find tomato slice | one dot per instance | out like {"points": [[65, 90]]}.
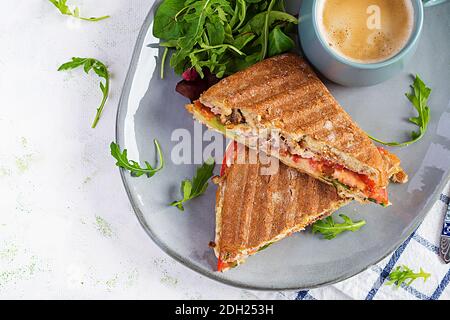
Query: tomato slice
{"points": [[296, 158], [380, 195], [223, 167], [206, 112], [229, 154], [220, 265], [352, 179], [368, 182], [383, 151], [332, 165]]}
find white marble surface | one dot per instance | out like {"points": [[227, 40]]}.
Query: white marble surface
{"points": [[66, 227]]}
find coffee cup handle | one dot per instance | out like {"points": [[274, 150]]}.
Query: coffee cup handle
{"points": [[429, 3]]}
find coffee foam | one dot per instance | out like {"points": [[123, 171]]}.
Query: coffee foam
{"points": [[347, 33]]}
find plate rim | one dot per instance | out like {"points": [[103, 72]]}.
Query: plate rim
{"points": [[122, 106]]}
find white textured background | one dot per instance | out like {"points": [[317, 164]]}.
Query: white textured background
{"points": [[66, 227]]}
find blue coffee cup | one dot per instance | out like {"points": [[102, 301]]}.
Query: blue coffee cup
{"points": [[347, 72]]}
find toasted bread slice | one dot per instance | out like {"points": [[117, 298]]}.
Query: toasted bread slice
{"points": [[255, 210], [281, 99]]}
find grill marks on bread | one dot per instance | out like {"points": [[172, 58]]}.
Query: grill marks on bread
{"points": [[257, 208], [286, 94]]}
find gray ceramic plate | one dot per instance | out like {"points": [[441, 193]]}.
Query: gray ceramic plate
{"points": [[150, 108]]}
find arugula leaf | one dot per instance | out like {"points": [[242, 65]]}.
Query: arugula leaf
{"points": [[223, 36], [265, 41], [64, 9], [279, 42], [163, 61], [215, 31], [403, 274], [100, 69], [265, 246], [329, 229], [165, 25], [198, 185], [419, 99], [257, 23], [133, 166], [240, 13], [242, 40]]}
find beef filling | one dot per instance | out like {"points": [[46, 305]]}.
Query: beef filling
{"points": [[234, 118]]}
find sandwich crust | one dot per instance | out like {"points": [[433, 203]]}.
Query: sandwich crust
{"points": [[284, 93]]}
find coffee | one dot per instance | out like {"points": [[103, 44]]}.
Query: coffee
{"points": [[366, 31]]}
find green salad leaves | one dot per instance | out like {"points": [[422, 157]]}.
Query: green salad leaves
{"points": [[419, 99], [403, 274], [330, 229], [135, 169], [100, 69], [224, 36], [62, 6], [198, 185]]}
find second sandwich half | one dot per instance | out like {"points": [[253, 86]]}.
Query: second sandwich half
{"points": [[254, 209]]}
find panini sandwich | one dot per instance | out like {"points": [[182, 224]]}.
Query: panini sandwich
{"points": [[255, 210], [280, 106]]}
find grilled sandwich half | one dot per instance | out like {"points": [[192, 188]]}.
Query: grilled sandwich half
{"points": [[280, 106], [254, 210]]}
